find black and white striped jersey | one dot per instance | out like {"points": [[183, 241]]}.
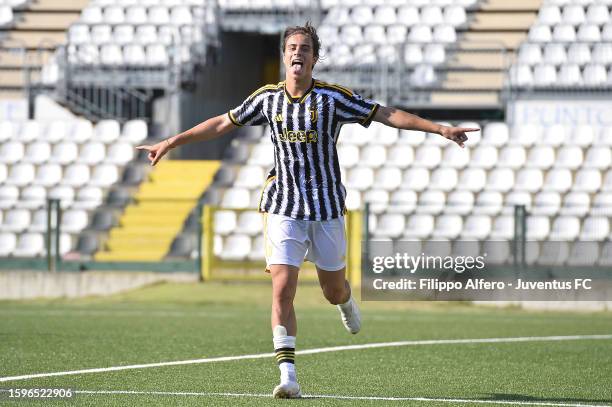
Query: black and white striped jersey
{"points": [[305, 181]]}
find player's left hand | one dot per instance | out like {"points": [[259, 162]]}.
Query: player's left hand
{"points": [[456, 134]]}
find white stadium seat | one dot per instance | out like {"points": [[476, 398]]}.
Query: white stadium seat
{"points": [[88, 198], [511, 156], [500, 179], [476, 227], [459, 202], [236, 247], [15, 220], [443, 179], [598, 157], [104, 175], [541, 157], [250, 223], [495, 134], [546, 203], [30, 245], [415, 179], [120, 153], [390, 225], [529, 179], [454, 157], [224, 222], [373, 156], [447, 227], [11, 152], [236, 198], [37, 152], [595, 228], [76, 175], [483, 157], [419, 226], [402, 201], [20, 175], [360, 178], [428, 156], [472, 179], [64, 194], [488, 203], [9, 195], [400, 156], [92, 153], [576, 204], [565, 228], [587, 180], [48, 175], [431, 202], [388, 178], [538, 227], [569, 157], [74, 221], [503, 228], [262, 154], [8, 243], [558, 180]]}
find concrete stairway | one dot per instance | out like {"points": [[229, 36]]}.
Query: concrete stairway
{"points": [[39, 29], [149, 225], [497, 25]]}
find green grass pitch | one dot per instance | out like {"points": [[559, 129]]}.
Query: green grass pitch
{"points": [[176, 322]]}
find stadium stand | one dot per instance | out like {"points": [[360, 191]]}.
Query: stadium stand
{"points": [[74, 161]]}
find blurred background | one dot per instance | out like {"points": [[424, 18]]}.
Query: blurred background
{"points": [[83, 82]]}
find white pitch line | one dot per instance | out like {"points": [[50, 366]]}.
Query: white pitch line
{"points": [[313, 351], [340, 397]]}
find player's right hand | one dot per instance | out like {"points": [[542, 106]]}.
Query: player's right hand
{"points": [[156, 151]]}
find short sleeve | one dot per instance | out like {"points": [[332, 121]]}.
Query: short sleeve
{"points": [[352, 108], [251, 111]]}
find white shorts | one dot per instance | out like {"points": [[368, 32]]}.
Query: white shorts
{"points": [[291, 241]]}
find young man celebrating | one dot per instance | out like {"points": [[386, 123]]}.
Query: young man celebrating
{"points": [[303, 197]]}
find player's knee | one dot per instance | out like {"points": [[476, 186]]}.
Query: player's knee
{"points": [[335, 295], [284, 297]]}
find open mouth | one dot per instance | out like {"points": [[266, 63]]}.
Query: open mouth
{"points": [[297, 62]]}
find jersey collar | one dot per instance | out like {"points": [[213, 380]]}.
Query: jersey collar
{"points": [[291, 99]]}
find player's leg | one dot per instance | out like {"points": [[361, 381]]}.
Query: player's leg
{"points": [[284, 327], [285, 249], [327, 249], [337, 291]]}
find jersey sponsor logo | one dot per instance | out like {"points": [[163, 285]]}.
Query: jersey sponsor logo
{"points": [[299, 136]]}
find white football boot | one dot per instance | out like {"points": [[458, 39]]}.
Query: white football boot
{"points": [[287, 390], [351, 317]]}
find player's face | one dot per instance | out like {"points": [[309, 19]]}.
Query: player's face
{"points": [[298, 56]]}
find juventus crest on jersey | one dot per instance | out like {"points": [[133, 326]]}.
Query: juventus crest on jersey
{"points": [[305, 181]]}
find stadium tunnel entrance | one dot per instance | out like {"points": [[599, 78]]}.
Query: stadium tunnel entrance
{"points": [[243, 63]]}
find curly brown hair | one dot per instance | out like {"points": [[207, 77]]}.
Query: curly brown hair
{"points": [[308, 30]]}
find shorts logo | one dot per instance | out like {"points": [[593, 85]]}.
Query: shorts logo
{"points": [[299, 136], [313, 115], [278, 118]]}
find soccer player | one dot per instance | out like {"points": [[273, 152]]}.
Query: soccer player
{"points": [[303, 197]]}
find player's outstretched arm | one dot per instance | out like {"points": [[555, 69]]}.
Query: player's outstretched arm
{"points": [[209, 129], [403, 120]]}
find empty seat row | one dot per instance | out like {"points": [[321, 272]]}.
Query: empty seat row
{"points": [[487, 202], [342, 55], [559, 54], [479, 227], [570, 75], [150, 3], [95, 152], [78, 131], [353, 34], [574, 14], [157, 14], [328, 4], [48, 175], [128, 34], [131, 55], [540, 33], [407, 15], [20, 220], [15, 4], [35, 196], [29, 244]]}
